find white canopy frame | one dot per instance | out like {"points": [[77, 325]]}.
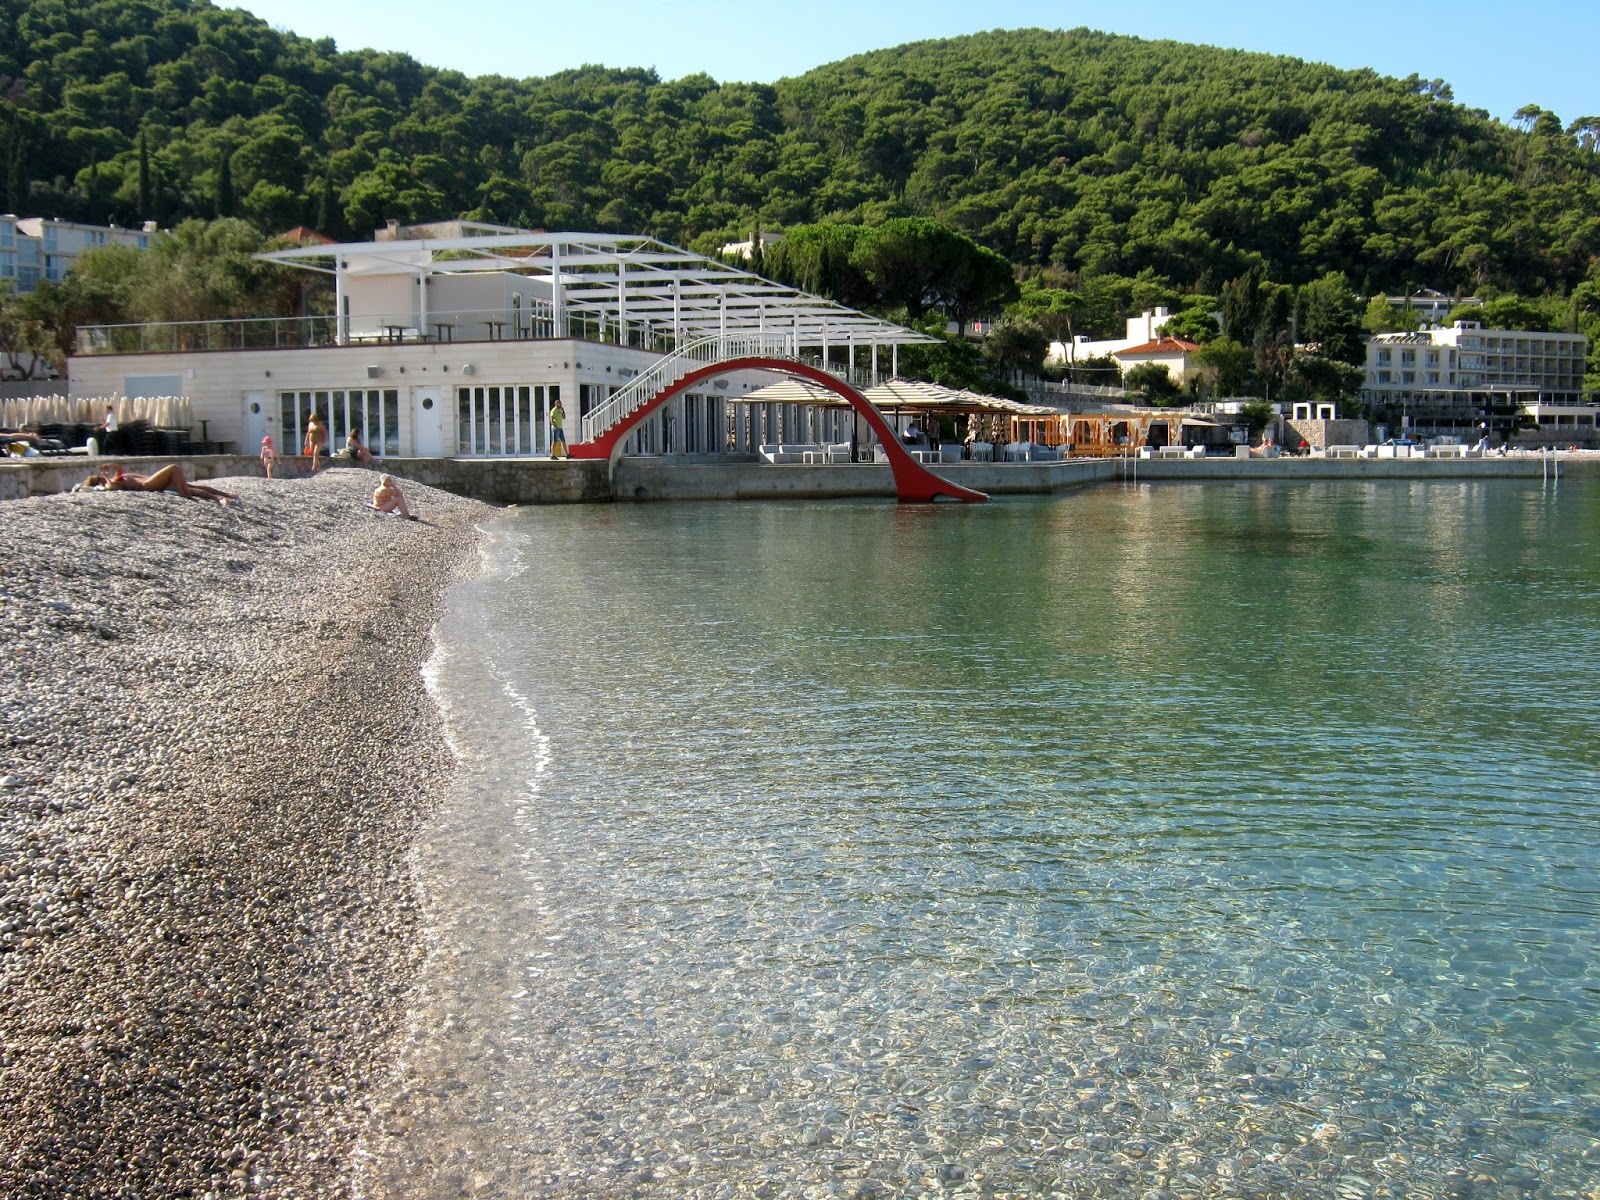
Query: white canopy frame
{"points": [[620, 280]]}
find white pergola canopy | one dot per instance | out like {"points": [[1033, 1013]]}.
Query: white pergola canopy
{"points": [[618, 278], [896, 394]]}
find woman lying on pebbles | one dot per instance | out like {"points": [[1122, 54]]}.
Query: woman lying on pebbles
{"points": [[168, 479]]}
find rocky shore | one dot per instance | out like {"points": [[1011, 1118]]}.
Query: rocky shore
{"points": [[215, 749]]}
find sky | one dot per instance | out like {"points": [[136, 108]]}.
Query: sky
{"points": [[1497, 56]]}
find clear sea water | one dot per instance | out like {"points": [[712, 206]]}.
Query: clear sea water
{"points": [[1153, 841]]}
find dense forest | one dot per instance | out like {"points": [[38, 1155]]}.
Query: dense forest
{"points": [[1079, 151], [1110, 172]]}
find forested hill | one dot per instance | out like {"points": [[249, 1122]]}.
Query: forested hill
{"points": [[1078, 150]]}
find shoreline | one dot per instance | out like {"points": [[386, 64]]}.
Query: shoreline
{"points": [[208, 920], [542, 481]]}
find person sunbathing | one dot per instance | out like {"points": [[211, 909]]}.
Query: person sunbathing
{"points": [[388, 498], [169, 478]]}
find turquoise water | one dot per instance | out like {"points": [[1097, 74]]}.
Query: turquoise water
{"points": [[1170, 840]]}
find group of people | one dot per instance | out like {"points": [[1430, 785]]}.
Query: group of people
{"points": [[386, 497], [316, 445]]}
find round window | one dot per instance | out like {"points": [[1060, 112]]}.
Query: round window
{"points": [[254, 408], [427, 402]]}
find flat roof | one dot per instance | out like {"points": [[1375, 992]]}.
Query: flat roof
{"points": [[618, 276]]}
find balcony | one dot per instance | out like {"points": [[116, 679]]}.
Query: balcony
{"points": [[367, 329]]}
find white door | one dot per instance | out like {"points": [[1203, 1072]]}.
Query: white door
{"points": [[258, 423], [427, 422]]}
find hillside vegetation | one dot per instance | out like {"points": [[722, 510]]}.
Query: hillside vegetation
{"points": [[1079, 151]]}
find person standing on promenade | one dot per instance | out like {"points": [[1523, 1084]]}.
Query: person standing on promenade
{"points": [[558, 432], [269, 455], [316, 439]]}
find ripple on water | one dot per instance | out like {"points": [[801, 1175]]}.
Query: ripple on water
{"points": [[1213, 845]]}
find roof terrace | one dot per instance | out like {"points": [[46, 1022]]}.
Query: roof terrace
{"points": [[620, 289]]}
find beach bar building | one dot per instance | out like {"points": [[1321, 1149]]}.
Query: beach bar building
{"points": [[461, 345]]}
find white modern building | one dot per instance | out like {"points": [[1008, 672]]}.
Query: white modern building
{"points": [[40, 248], [459, 346], [1455, 379], [1141, 329]]}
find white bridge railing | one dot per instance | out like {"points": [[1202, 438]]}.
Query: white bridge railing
{"points": [[668, 370]]}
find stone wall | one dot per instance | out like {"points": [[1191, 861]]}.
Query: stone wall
{"points": [[1319, 435]]}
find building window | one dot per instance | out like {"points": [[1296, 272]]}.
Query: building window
{"points": [[1385, 376], [1433, 377], [1408, 376], [503, 420], [373, 412], [1384, 357], [1407, 357]]}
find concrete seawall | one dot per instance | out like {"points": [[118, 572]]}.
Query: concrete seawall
{"points": [[542, 481], [1512, 466]]}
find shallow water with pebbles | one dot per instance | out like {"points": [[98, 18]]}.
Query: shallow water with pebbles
{"points": [[1151, 841]]}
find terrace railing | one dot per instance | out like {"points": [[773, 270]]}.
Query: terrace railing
{"points": [[278, 333]]}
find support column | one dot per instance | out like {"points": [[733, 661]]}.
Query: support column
{"points": [[622, 302], [558, 315], [341, 319]]}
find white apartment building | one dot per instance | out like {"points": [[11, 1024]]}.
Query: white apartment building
{"points": [[35, 248], [1452, 380]]}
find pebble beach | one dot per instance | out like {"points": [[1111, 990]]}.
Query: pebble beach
{"points": [[215, 751]]}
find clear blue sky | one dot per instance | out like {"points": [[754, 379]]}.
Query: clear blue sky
{"points": [[1498, 56]]}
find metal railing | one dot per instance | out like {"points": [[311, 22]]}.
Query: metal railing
{"points": [[274, 333], [702, 352]]}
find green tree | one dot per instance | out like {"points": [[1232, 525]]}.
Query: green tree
{"points": [[1154, 380], [820, 259], [1328, 318], [916, 264], [1192, 325], [147, 203], [1051, 309], [226, 203], [1505, 312], [1225, 363], [1013, 344], [1383, 317], [204, 271]]}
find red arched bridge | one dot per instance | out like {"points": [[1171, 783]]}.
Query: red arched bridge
{"points": [[607, 427]]}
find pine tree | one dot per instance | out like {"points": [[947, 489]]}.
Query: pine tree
{"points": [[327, 222], [16, 172], [225, 202], [147, 207]]}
